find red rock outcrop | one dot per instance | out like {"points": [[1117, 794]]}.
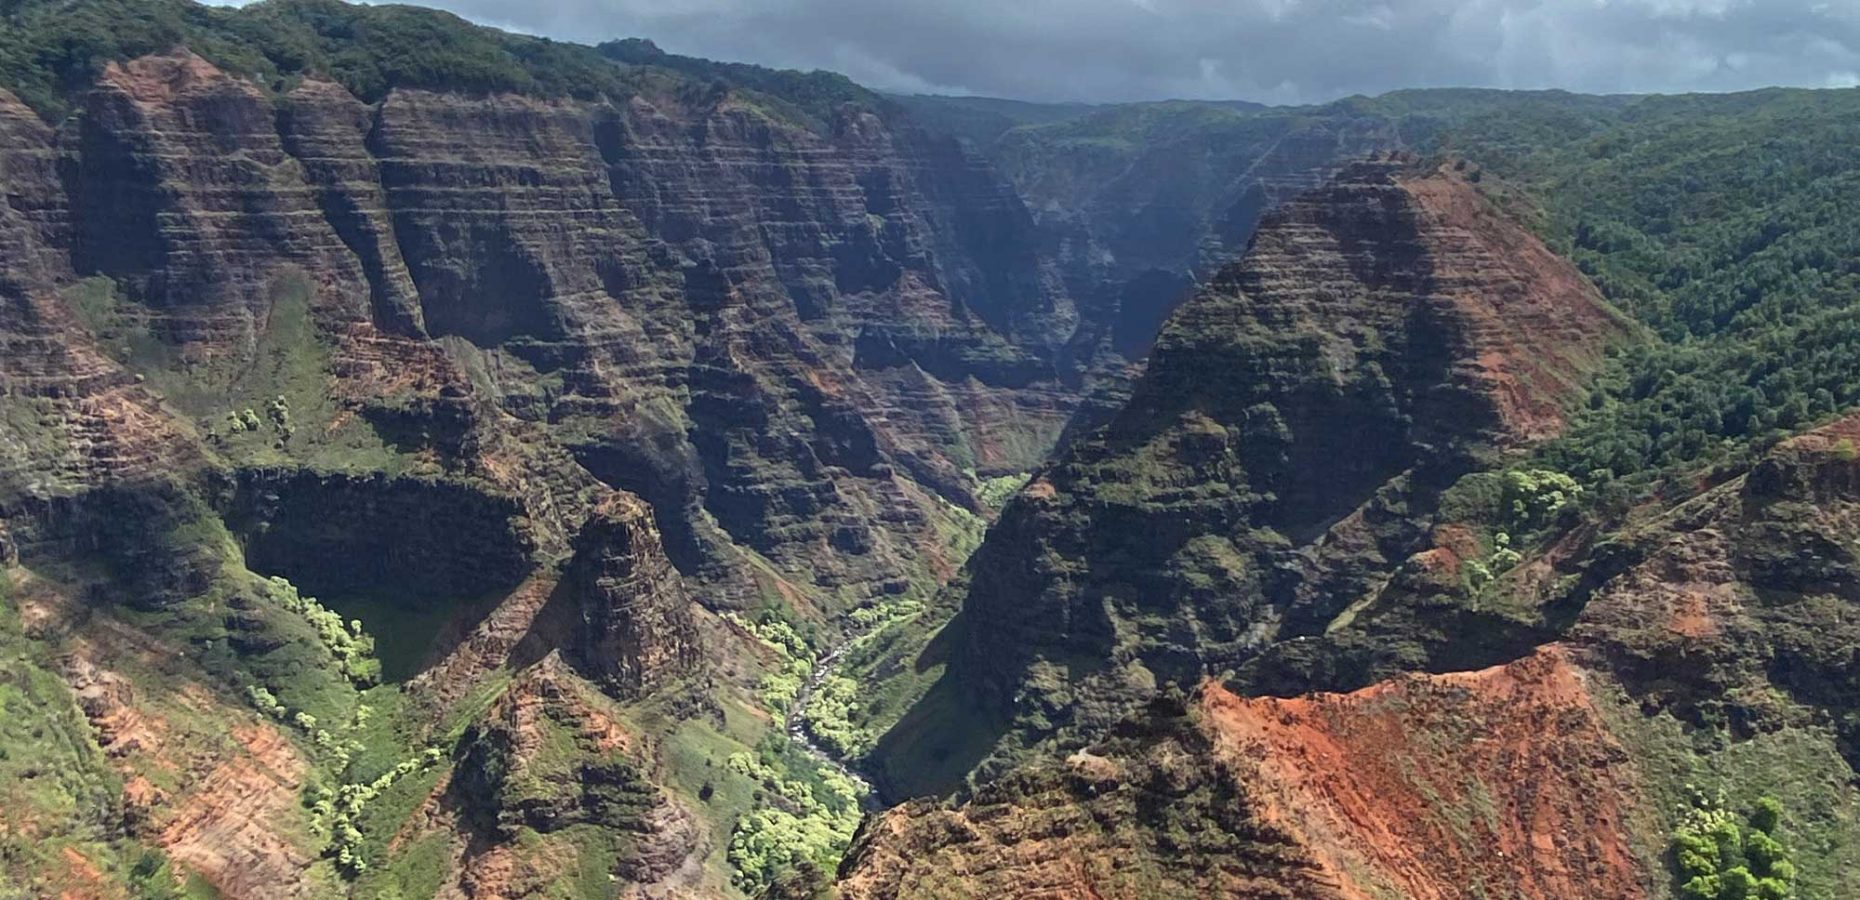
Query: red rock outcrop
{"points": [[224, 828], [1503, 782], [209, 783]]}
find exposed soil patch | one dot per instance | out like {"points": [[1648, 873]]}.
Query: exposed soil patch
{"points": [[1427, 786]]}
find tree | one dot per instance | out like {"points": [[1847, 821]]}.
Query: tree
{"points": [[1720, 858]]}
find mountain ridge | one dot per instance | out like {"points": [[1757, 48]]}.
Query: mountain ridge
{"points": [[440, 462]]}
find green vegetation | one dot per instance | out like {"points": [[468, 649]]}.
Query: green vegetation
{"points": [[1533, 498], [56, 786], [1516, 507], [51, 49], [1720, 858], [403, 630], [54, 48], [352, 649], [815, 94], [995, 492], [797, 823], [794, 660], [1800, 766], [833, 714], [248, 408], [342, 809], [1722, 222]]}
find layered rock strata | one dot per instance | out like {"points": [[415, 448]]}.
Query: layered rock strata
{"points": [[1383, 336], [797, 340]]}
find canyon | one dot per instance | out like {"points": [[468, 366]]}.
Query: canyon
{"points": [[529, 469]]}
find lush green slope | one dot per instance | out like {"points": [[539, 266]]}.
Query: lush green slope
{"points": [[1729, 225], [51, 48], [1726, 223]]}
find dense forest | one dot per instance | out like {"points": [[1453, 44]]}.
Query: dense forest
{"points": [[1729, 225], [1725, 223], [49, 50]]}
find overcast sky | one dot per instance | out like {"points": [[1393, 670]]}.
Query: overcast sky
{"points": [[1267, 50]]}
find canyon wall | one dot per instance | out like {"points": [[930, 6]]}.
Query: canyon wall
{"points": [[547, 377], [1283, 454], [800, 341], [1384, 677]]}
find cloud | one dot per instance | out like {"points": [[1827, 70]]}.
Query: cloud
{"points": [[1268, 50]]}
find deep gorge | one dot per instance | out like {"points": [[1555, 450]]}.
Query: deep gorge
{"points": [[1401, 496]]}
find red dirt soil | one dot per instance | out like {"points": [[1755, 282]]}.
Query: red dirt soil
{"points": [[1533, 326], [1433, 786]]}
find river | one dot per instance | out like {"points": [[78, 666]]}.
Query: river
{"points": [[824, 668]]}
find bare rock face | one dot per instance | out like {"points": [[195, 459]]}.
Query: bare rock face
{"points": [[81, 420], [634, 629], [1382, 337], [88, 458], [796, 340], [603, 359], [1504, 781], [182, 191]]}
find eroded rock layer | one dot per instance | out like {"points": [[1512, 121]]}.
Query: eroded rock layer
{"points": [[491, 394], [1716, 632], [1503, 782], [1278, 461], [797, 340]]}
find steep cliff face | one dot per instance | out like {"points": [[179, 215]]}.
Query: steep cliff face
{"points": [[1282, 455], [422, 355], [633, 628], [74, 417], [797, 340]]}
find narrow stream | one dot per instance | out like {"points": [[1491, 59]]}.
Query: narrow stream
{"points": [[824, 668]]}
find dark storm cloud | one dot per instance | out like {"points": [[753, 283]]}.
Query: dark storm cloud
{"points": [[1270, 50]]}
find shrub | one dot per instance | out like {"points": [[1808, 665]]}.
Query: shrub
{"points": [[1719, 858], [1533, 497], [352, 649]]}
